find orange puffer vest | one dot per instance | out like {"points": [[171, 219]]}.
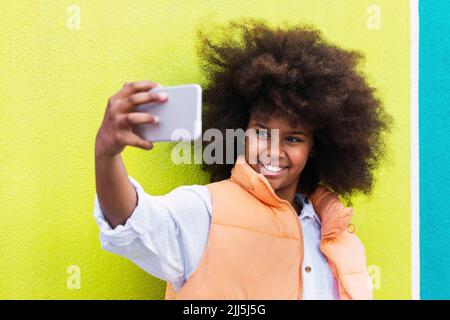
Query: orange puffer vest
{"points": [[255, 244]]}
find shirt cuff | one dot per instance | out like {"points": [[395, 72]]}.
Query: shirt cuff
{"points": [[121, 235]]}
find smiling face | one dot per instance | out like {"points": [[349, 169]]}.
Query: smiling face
{"points": [[281, 165]]}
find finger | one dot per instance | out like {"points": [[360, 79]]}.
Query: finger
{"points": [[131, 139], [127, 104], [132, 87], [127, 119]]}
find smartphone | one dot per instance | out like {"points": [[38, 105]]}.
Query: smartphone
{"points": [[179, 117]]}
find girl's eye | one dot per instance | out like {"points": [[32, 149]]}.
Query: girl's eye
{"points": [[294, 139], [262, 133]]}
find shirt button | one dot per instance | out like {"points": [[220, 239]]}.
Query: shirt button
{"points": [[308, 269]]}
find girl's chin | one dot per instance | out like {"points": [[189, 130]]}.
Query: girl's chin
{"points": [[275, 185]]}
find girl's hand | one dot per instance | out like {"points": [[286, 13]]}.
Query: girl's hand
{"points": [[115, 132]]}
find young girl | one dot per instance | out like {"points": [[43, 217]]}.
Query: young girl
{"points": [[270, 229]]}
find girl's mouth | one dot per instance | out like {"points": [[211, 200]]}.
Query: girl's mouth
{"points": [[272, 171]]}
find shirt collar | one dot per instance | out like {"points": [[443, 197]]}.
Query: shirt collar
{"points": [[307, 209]]}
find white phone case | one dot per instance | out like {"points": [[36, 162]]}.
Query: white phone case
{"points": [[179, 118]]}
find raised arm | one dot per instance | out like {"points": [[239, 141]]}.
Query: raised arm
{"points": [[116, 195]]}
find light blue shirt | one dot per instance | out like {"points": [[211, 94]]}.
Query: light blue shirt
{"points": [[166, 236]]}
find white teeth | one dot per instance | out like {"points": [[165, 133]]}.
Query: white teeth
{"points": [[272, 168]]}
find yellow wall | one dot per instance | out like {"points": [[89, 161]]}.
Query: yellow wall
{"points": [[54, 85]]}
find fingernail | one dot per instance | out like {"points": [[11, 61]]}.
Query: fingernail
{"points": [[162, 96], [156, 119]]}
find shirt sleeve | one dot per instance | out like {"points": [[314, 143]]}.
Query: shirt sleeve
{"points": [[165, 235]]}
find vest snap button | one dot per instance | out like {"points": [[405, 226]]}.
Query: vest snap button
{"points": [[308, 269], [351, 228]]}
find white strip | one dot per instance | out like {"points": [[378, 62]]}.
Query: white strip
{"points": [[415, 194]]}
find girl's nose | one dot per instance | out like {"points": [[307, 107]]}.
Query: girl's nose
{"points": [[275, 153]]}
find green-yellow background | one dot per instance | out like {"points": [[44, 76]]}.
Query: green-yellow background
{"points": [[54, 86]]}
